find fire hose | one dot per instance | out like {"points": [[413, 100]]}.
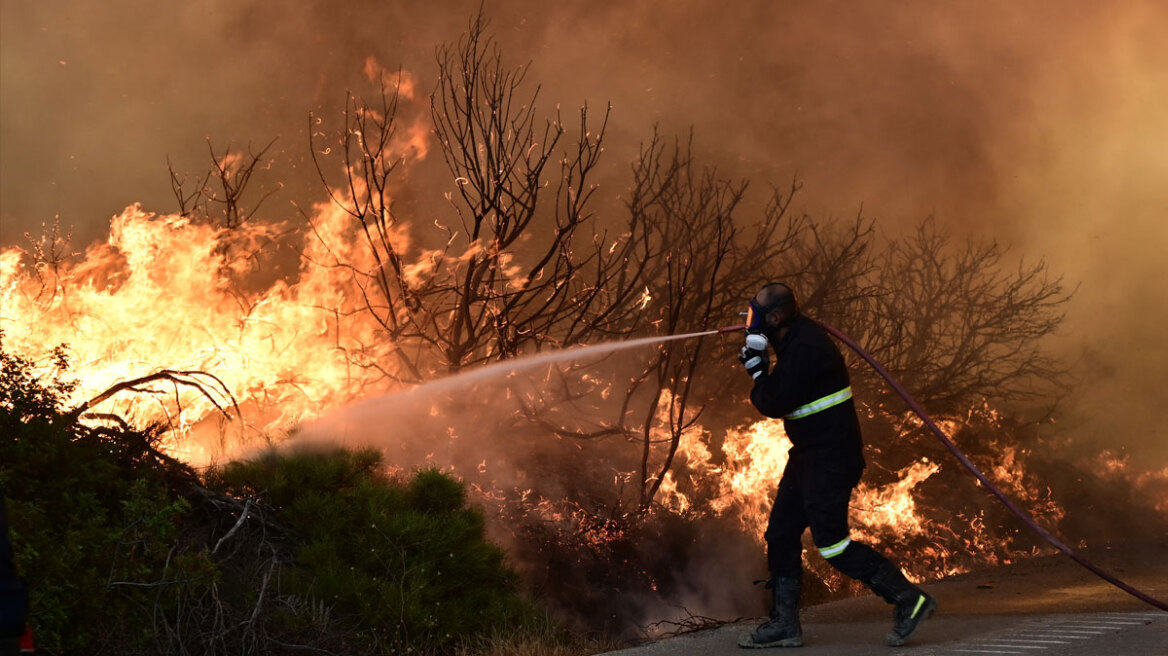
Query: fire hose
{"points": [[977, 473]]}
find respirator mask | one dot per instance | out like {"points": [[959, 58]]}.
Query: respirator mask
{"points": [[756, 314], [756, 317]]}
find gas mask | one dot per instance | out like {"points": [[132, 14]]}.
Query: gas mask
{"points": [[756, 317], [756, 314]]}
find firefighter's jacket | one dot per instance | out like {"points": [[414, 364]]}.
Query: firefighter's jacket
{"points": [[809, 388]]}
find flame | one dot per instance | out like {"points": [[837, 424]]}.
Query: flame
{"points": [[166, 292], [402, 81], [157, 296], [754, 459], [892, 507], [1151, 484], [415, 143], [738, 478]]}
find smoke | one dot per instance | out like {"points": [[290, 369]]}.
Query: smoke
{"points": [[1086, 183], [1036, 123], [909, 112]]}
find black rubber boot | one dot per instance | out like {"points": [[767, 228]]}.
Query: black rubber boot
{"points": [[782, 629], [912, 604]]}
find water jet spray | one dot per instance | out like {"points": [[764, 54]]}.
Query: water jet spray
{"points": [[977, 473], [370, 408]]}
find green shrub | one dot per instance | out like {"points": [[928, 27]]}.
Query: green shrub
{"points": [[121, 546], [407, 562], [86, 509]]}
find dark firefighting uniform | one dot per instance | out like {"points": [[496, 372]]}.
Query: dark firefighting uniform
{"points": [[809, 388]]}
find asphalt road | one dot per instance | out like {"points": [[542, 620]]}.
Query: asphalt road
{"points": [[1079, 634], [1046, 606]]}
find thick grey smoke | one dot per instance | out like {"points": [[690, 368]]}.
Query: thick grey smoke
{"points": [[1039, 124]]}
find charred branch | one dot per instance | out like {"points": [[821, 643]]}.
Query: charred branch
{"points": [[233, 172], [207, 385]]}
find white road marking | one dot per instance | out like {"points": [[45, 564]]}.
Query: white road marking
{"points": [[1037, 635], [1033, 640]]}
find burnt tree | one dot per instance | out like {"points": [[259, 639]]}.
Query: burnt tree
{"points": [[522, 265]]}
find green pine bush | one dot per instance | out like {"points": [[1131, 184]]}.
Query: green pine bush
{"points": [[406, 560]]}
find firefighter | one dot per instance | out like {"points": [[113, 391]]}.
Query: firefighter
{"points": [[809, 389]]}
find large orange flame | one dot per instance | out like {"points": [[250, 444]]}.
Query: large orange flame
{"points": [[159, 295]]}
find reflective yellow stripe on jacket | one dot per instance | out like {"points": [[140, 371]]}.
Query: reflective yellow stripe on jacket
{"points": [[818, 405]]}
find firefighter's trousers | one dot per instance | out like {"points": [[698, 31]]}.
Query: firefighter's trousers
{"points": [[814, 492]]}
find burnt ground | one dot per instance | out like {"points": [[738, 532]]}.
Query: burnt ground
{"points": [[1043, 606]]}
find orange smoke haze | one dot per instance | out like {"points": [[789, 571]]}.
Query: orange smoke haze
{"points": [[1037, 123]]}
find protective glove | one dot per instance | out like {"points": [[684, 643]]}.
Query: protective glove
{"points": [[754, 356]]}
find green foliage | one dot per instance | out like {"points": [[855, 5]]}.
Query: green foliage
{"points": [[433, 492], [122, 558], [22, 396], [408, 562], [84, 508]]}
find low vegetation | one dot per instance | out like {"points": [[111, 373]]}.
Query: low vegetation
{"points": [[128, 551]]}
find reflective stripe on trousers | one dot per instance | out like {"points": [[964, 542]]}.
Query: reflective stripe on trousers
{"points": [[818, 405], [835, 549]]}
